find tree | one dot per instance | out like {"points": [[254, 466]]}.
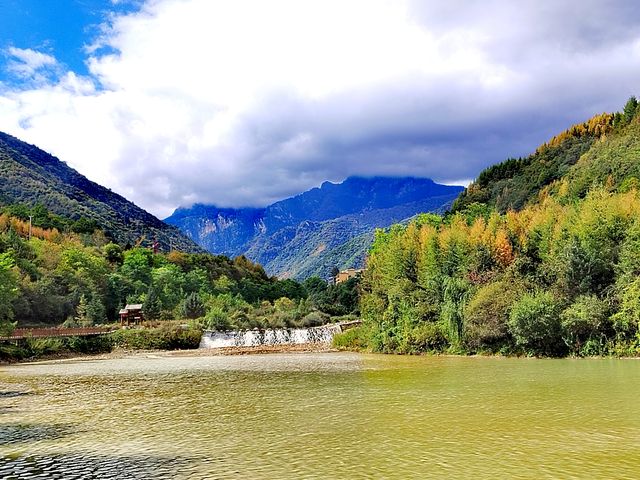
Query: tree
{"points": [[193, 306], [96, 312], [583, 320], [630, 109], [456, 293], [534, 322], [85, 225], [8, 292], [487, 313], [113, 253], [152, 307], [137, 266], [81, 312]]}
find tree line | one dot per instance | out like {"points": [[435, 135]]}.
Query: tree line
{"points": [[82, 278]]}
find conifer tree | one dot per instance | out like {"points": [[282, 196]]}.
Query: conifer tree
{"points": [[630, 109], [152, 306]]}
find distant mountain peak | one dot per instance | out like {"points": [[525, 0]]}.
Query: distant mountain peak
{"points": [[286, 235]]}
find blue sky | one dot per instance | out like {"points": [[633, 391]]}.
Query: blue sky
{"points": [[61, 28], [245, 102]]}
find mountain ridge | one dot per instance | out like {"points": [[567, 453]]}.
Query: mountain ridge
{"points": [[294, 236], [32, 176]]}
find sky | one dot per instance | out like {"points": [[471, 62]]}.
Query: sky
{"points": [[245, 102]]}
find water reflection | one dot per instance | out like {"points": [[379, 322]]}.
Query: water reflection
{"points": [[23, 433], [71, 467]]}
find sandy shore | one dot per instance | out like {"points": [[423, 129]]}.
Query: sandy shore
{"points": [[200, 352]]}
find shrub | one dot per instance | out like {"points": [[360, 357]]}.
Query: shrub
{"points": [[217, 319], [352, 339], [486, 315], [583, 322], [314, 319], [535, 324], [627, 320], [428, 336], [166, 337]]}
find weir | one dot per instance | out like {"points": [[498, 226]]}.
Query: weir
{"points": [[279, 336]]}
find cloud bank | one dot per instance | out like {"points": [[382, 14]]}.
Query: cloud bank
{"points": [[246, 102]]}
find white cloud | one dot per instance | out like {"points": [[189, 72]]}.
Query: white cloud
{"points": [[245, 102], [30, 64]]}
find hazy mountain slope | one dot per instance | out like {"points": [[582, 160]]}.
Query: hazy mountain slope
{"points": [[297, 236], [29, 175]]}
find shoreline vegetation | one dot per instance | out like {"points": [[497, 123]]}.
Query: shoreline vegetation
{"points": [[540, 256]]}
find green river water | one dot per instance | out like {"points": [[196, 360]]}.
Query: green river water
{"points": [[324, 416]]}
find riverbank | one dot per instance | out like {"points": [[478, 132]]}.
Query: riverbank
{"points": [[166, 336], [119, 353]]}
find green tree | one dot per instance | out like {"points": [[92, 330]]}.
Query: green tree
{"points": [[456, 294], [81, 317], [8, 292], [137, 266], [113, 253], [630, 109], [534, 323], [168, 282], [193, 306], [584, 320], [96, 312], [152, 307], [487, 313]]}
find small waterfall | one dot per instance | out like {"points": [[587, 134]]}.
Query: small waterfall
{"points": [[279, 336]]}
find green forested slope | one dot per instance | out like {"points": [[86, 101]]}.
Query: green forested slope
{"points": [[539, 256], [55, 278], [32, 177], [514, 183]]}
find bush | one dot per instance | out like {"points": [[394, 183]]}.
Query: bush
{"points": [[353, 339], [486, 316], [626, 322], [314, 319], [12, 353], [217, 319], [165, 337], [426, 337], [44, 346], [535, 324], [583, 323], [39, 347]]}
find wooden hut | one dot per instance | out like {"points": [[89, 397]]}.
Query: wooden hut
{"points": [[131, 314]]}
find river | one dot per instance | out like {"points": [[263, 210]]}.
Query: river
{"points": [[324, 416]]}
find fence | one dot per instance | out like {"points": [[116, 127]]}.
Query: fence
{"points": [[22, 333]]}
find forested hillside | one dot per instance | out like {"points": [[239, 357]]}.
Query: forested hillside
{"points": [[81, 279], [539, 256], [32, 179]]}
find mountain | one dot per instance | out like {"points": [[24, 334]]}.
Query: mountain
{"points": [[31, 176], [310, 233]]}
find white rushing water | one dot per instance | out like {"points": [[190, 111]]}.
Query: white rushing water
{"points": [[279, 336]]}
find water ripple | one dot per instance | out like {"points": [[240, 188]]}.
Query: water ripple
{"points": [[320, 416]]}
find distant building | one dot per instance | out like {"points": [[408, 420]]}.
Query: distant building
{"points": [[131, 314], [345, 275]]}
